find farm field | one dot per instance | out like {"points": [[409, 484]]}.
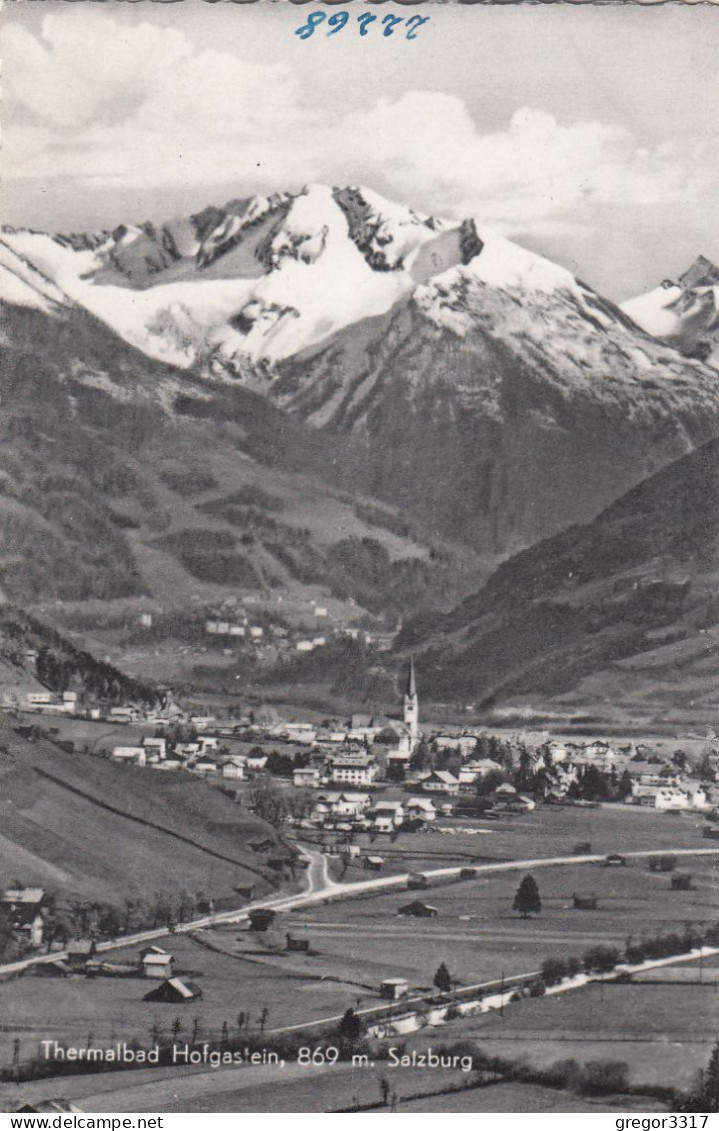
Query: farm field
{"points": [[480, 937], [355, 945], [68, 1009], [358, 942], [525, 1098], [287, 1088], [547, 831], [663, 1032]]}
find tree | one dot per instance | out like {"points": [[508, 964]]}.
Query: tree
{"points": [[605, 1077], [624, 785], [350, 1027], [301, 803], [268, 803], [443, 979], [553, 970], [524, 775], [527, 900], [705, 769], [707, 1092], [420, 756], [601, 959], [489, 782], [280, 765], [6, 931], [679, 759]]}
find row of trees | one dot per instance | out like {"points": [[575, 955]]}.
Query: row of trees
{"points": [[63, 921], [603, 959]]}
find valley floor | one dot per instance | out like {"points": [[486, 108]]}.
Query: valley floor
{"points": [[662, 1028]]}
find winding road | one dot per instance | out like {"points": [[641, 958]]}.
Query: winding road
{"points": [[321, 887]]}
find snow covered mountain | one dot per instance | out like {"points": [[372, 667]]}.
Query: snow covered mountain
{"points": [[684, 313], [475, 384], [256, 281]]}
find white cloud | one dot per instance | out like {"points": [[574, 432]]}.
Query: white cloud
{"points": [[84, 66], [105, 102]]}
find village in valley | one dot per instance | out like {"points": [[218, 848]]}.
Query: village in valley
{"points": [[490, 843], [377, 773]]}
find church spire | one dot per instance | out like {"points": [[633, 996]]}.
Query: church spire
{"points": [[411, 704], [411, 682]]}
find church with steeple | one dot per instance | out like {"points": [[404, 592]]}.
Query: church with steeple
{"points": [[411, 705]]}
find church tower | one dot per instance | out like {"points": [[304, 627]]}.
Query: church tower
{"points": [[411, 704]]}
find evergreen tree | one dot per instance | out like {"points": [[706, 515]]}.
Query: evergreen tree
{"points": [[624, 785], [350, 1027], [442, 979], [527, 900]]}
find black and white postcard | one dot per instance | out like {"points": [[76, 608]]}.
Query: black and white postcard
{"points": [[359, 559]]}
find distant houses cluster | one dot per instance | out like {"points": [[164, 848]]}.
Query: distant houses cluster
{"points": [[364, 753]]}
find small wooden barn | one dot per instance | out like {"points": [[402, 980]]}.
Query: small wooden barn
{"points": [[174, 991], [681, 881], [261, 918], [392, 989], [79, 953], [418, 910], [298, 943]]}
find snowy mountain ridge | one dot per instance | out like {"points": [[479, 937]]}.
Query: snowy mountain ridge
{"points": [[474, 384], [684, 313], [267, 278]]}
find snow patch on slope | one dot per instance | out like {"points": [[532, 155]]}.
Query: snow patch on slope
{"points": [[656, 311], [504, 264], [685, 314]]}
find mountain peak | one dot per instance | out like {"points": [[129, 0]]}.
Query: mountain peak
{"points": [[685, 313], [702, 273]]}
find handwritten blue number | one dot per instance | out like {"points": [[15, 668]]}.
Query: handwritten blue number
{"points": [[414, 24], [390, 23], [337, 22], [364, 21], [313, 20]]}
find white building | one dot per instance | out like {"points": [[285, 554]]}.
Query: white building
{"points": [[40, 698], [337, 804], [306, 777], [392, 811], [136, 754], [440, 781], [156, 745], [234, 768], [420, 809], [354, 769]]}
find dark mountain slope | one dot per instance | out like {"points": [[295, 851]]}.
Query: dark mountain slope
{"points": [[82, 826], [629, 603], [122, 476], [501, 414]]}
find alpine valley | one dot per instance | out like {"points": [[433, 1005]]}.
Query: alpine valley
{"points": [[330, 395]]}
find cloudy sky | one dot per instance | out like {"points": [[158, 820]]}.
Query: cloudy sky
{"points": [[590, 134]]}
